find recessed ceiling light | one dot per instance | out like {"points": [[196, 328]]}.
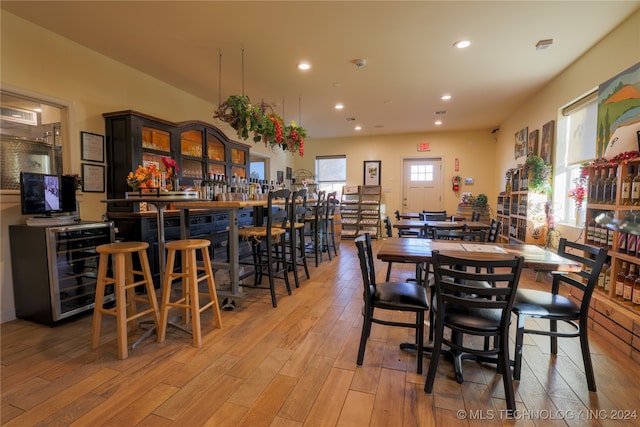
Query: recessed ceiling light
{"points": [[358, 128], [304, 66], [445, 97], [462, 44], [437, 122], [38, 110], [339, 106]]}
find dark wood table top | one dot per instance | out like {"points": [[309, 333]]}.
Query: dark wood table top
{"points": [[412, 223], [408, 250]]}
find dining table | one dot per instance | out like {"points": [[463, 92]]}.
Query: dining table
{"points": [[418, 216], [406, 224], [417, 250]]}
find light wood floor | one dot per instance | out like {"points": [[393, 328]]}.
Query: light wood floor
{"points": [[294, 365]]}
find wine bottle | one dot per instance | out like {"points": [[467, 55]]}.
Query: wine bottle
{"points": [[625, 195], [620, 281], [629, 280]]}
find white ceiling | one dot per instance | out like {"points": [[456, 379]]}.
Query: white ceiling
{"points": [[408, 47]]}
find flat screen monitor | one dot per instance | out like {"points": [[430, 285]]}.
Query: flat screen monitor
{"points": [[42, 194]]}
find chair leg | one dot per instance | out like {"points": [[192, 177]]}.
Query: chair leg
{"points": [[586, 357], [517, 366], [285, 264], [99, 301], [272, 287], [303, 252], [435, 358], [507, 379], [553, 327], [420, 339], [364, 336]]}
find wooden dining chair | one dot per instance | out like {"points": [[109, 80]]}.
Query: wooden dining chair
{"points": [[465, 235], [388, 296], [428, 231], [468, 310], [552, 306]]}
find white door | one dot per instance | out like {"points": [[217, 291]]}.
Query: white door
{"points": [[422, 185]]}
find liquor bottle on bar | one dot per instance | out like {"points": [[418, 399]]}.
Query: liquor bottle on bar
{"points": [[600, 193], [635, 189], [620, 281], [607, 279], [625, 196], [629, 280]]}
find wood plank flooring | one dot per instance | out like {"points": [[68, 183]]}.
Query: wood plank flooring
{"points": [[295, 365]]}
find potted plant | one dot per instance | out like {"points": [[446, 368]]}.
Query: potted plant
{"points": [[538, 172]]}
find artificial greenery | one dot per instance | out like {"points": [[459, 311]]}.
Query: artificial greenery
{"points": [[538, 172], [256, 121], [480, 201]]}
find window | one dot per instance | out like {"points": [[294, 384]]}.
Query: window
{"points": [[576, 144], [332, 173], [421, 173]]}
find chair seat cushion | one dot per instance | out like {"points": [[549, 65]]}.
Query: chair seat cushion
{"points": [[400, 295], [481, 320], [248, 232], [534, 303]]}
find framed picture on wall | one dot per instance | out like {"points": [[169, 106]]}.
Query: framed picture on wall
{"points": [[532, 143], [92, 147], [521, 142], [546, 142], [372, 172]]}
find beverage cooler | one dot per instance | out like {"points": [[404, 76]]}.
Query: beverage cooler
{"points": [[55, 269]]}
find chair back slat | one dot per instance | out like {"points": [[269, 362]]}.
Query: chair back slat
{"points": [[365, 255], [465, 235], [278, 209]]}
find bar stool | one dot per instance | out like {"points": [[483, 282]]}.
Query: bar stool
{"points": [[190, 299], [295, 229], [316, 228], [125, 309], [268, 244], [330, 240]]}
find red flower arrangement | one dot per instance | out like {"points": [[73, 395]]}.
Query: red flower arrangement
{"points": [[579, 192], [170, 165]]}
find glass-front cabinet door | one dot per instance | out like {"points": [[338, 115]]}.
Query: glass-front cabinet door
{"points": [[216, 155], [191, 148], [238, 163]]}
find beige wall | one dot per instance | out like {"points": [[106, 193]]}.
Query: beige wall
{"points": [[615, 53], [475, 151]]}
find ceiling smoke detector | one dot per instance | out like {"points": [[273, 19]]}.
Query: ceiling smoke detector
{"points": [[544, 44], [350, 119], [359, 63]]}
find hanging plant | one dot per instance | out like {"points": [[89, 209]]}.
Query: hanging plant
{"points": [[254, 120], [538, 172]]}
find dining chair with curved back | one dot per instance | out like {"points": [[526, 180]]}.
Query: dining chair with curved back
{"points": [[554, 307], [434, 216], [388, 296], [467, 310]]}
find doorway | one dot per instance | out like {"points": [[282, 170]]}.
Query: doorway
{"points": [[422, 185]]}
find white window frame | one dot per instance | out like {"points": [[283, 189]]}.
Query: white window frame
{"points": [[565, 171], [330, 184]]}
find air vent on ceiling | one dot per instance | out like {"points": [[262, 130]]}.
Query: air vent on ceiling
{"points": [[440, 112], [18, 115]]}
